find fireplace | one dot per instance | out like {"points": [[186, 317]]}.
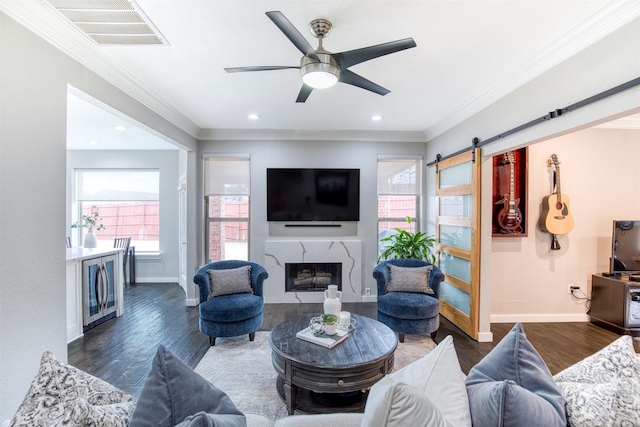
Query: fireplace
{"points": [[312, 277], [347, 254]]}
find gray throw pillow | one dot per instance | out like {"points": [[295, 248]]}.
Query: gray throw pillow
{"points": [[512, 386], [63, 395], [202, 419], [230, 281], [173, 393], [409, 279]]}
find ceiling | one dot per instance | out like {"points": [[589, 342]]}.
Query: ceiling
{"points": [[92, 125], [468, 54]]}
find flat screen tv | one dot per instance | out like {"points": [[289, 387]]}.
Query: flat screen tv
{"points": [[625, 248], [313, 194]]}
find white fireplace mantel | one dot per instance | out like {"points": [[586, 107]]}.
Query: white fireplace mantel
{"points": [[279, 252]]}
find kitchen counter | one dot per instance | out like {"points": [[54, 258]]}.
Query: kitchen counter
{"points": [[80, 253]]}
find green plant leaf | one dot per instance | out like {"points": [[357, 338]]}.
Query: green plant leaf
{"points": [[90, 221], [329, 319], [404, 244]]}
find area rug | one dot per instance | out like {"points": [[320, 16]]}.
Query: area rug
{"points": [[243, 370]]}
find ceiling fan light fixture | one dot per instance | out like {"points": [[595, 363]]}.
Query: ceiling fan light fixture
{"points": [[319, 75], [319, 79], [319, 68]]}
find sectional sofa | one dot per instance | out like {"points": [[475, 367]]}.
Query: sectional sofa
{"points": [[511, 386]]}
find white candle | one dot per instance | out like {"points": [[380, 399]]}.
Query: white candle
{"points": [[345, 318]]}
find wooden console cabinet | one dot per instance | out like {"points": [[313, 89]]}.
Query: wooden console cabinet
{"points": [[615, 304]]}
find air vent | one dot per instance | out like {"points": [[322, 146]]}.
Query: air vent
{"points": [[110, 22]]}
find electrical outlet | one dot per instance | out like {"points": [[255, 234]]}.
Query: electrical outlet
{"points": [[367, 291], [572, 287]]}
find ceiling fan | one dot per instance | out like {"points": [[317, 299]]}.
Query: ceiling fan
{"points": [[321, 69]]}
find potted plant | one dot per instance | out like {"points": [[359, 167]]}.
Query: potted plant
{"points": [[329, 319], [403, 244], [90, 222], [330, 323]]}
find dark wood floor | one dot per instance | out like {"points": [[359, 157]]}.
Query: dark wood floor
{"points": [[120, 350]]}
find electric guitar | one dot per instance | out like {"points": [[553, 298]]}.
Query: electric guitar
{"points": [[510, 217], [556, 217]]}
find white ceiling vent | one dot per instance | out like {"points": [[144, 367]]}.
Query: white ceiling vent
{"points": [[110, 22]]}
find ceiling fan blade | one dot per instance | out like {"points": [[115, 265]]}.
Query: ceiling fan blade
{"points": [[352, 57], [258, 68], [292, 34], [353, 79], [304, 93]]}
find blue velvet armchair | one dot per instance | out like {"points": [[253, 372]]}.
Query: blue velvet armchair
{"points": [[408, 312], [235, 314]]}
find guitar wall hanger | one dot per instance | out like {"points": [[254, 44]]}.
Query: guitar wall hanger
{"points": [[556, 217], [509, 194]]}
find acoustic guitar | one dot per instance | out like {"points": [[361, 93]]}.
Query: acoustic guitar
{"points": [[556, 217], [510, 217]]}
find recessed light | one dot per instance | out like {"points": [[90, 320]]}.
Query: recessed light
{"points": [[93, 142], [376, 118], [120, 127], [254, 116]]}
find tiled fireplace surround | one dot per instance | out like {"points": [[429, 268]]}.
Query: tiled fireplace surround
{"points": [[279, 252]]}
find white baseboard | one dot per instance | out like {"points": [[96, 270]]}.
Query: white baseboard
{"points": [[369, 298], [191, 302], [539, 318], [156, 280], [485, 336]]}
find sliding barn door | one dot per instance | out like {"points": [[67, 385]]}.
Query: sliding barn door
{"points": [[458, 231]]}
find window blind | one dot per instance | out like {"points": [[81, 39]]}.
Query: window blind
{"points": [[398, 176], [101, 185], [226, 176]]}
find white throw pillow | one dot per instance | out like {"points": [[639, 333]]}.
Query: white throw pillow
{"points": [[399, 404], [437, 377], [604, 388]]}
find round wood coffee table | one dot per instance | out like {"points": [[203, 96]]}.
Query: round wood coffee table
{"points": [[316, 379]]}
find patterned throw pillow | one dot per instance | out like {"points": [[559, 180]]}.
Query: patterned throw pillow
{"points": [[63, 395], [230, 281], [604, 388], [409, 279]]}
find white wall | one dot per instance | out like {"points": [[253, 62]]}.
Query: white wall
{"points": [[32, 212], [601, 177], [610, 62], [152, 269], [314, 154], [33, 105]]}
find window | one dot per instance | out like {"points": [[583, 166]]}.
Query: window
{"points": [[226, 189], [398, 196], [128, 202]]}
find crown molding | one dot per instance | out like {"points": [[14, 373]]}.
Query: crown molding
{"points": [[47, 23], [628, 123], [607, 20], [308, 135]]}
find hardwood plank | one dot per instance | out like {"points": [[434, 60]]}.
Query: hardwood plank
{"points": [[120, 351]]}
